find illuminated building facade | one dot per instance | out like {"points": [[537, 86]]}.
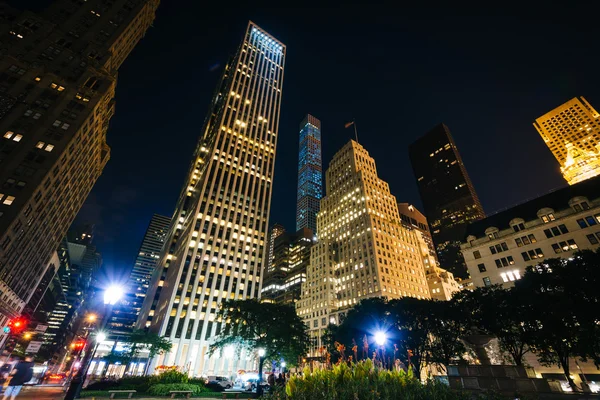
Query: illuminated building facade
{"points": [[217, 246], [572, 133], [499, 248], [441, 283], [447, 194], [125, 313], [58, 73], [276, 230], [362, 249], [310, 174], [291, 256]]}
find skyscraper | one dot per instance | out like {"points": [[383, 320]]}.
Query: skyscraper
{"points": [[448, 196], [572, 133], [57, 87], [125, 313], [217, 246], [310, 174], [291, 256], [362, 249], [276, 230]]}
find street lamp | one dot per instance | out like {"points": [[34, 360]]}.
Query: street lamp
{"points": [[380, 338], [113, 294], [261, 359]]}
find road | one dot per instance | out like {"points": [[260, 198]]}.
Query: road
{"points": [[41, 393]]}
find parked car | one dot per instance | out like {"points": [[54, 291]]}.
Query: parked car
{"points": [[221, 381]]}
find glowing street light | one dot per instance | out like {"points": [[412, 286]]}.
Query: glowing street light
{"points": [[380, 338], [100, 337], [113, 294], [283, 364], [92, 317], [261, 352]]}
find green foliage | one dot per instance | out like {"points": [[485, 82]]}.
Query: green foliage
{"points": [[563, 312], [273, 327], [358, 381], [429, 330], [169, 377], [163, 389], [143, 340], [86, 394]]}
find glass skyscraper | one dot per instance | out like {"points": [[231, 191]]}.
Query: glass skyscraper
{"points": [[310, 175], [216, 247]]}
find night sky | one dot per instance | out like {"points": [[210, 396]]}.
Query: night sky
{"points": [[398, 72]]}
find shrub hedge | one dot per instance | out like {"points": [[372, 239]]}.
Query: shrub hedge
{"points": [[163, 389]]}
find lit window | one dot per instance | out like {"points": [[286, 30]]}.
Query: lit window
{"points": [[8, 134], [8, 200], [49, 147], [18, 138], [37, 79], [40, 145]]}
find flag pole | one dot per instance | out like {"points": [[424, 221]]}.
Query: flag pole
{"points": [[355, 131]]}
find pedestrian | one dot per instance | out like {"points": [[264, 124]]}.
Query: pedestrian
{"points": [[281, 380], [271, 379], [21, 374], [4, 371]]}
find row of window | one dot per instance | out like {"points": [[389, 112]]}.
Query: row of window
{"points": [[556, 231], [532, 254], [564, 246], [525, 240], [588, 221]]}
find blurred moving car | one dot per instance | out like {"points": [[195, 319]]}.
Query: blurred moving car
{"points": [[221, 381]]}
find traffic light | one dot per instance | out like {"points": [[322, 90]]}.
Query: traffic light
{"points": [[16, 325], [78, 345]]}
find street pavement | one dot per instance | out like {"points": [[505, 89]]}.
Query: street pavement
{"points": [[41, 393]]}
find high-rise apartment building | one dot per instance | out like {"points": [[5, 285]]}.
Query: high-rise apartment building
{"points": [[125, 313], [58, 72], [310, 174], [362, 249], [217, 246], [276, 230], [572, 133], [291, 256], [447, 194]]}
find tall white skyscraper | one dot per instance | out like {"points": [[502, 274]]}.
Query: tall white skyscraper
{"points": [[362, 249], [217, 247]]}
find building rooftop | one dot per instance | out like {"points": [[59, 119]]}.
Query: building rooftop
{"points": [[557, 200]]}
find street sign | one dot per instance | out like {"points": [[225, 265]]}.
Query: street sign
{"points": [[33, 347], [41, 328]]}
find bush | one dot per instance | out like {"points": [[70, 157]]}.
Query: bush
{"points": [[104, 384], [362, 381], [163, 389], [138, 383], [93, 393], [171, 376]]}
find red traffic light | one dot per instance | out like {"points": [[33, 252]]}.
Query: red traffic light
{"points": [[78, 345], [16, 325]]}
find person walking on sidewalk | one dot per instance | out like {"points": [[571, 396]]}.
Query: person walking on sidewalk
{"points": [[21, 373]]}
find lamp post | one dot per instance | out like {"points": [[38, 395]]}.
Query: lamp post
{"points": [[261, 360], [111, 296], [380, 339], [77, 381]]}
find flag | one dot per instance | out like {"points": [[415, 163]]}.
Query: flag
{"points": [[349, 124]]}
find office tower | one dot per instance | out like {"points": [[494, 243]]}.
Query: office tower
{"points": [[125, 313], [572, 133], [310, 174], [447, 194], [291, 256], [57, 87], [217, 246], [276, 230], [499, 248], [441, 283], [362, 249], [412, 218]]}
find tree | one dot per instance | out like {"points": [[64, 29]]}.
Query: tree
{"points": [[143, 340], [449, 326], [251, 325], [501, 313], [563, 300]]}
